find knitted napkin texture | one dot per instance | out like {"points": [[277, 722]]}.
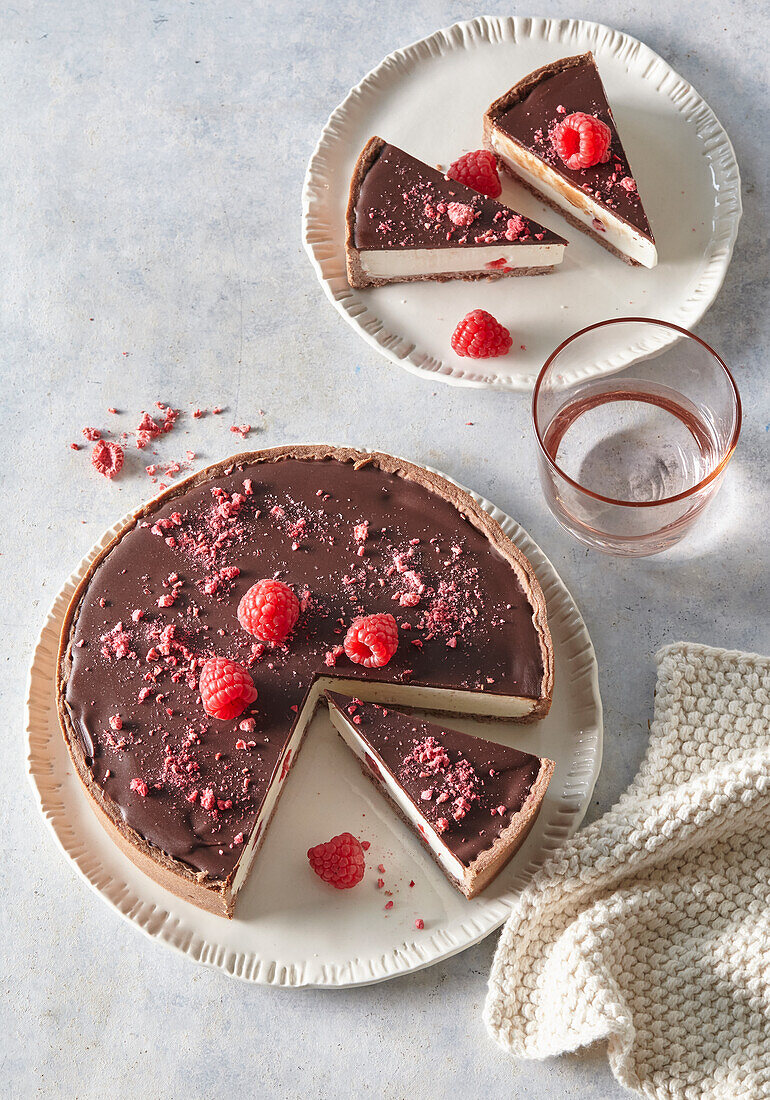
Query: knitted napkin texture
{"points": [[649, 929]]}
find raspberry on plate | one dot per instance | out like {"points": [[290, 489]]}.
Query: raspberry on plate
{"points": [[480, 336], [479, 171], [269, 610], [226, 688], [582, 140], [340, 861], [372, 641], [107, 458]]}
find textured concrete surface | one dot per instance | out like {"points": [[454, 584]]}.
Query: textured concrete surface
{"points": [[153, 153]]}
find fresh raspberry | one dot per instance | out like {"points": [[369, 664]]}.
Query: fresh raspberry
{"points": [[479, 171], [226, 688], [269, 610], [372, 641], [340, 861], [582, 140], [107, 458], [480, 336]]}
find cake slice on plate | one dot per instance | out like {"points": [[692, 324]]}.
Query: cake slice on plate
{"points": [[471, 801], [407, 221], [554, 131]]}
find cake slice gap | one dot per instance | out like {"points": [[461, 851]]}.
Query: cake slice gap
{"points": [[602, 199], [471, 801], [407, 222]]}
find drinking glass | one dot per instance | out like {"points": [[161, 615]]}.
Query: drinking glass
{"points": [[629, 460]]}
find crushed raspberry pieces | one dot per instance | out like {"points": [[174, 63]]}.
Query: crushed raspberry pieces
{"points": [[582, 141], [459, 213], [139, 787], [339, 861], [479, 171], [517, 228], [107, 458], [371, 641], [226, 688], [480, 336], [419, 924], [269, 610], [92, 434]]}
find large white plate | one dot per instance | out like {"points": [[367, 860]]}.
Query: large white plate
{"points": [[291, 929], [430, 97]]}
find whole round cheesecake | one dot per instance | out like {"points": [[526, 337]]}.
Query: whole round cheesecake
{"points": [[187, 796]]}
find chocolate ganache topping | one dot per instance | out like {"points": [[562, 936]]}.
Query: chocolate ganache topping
{"points": [[404, 203], [540, 103], [351, 541], [466, 787]]}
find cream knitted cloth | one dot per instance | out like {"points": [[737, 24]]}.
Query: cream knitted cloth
{"points": [[650, 927]]}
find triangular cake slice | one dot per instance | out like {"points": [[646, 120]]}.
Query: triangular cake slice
{"points": [[471, 801], [407, 221], [602, 200]]}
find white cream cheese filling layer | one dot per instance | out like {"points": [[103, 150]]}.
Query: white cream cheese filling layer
{"points": [[573, 201], [382, 776], [427, 698], [398, 263]]}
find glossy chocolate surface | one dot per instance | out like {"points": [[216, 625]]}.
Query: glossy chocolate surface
{"points": [[564, 92], [468, 788], [404, 203], [165, 598]]}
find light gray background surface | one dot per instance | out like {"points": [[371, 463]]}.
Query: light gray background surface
{"points": [[152, 158]]}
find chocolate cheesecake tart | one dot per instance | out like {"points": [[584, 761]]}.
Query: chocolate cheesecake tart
{"points": [[407, 221], [471, 801], [603, 199], [189, 797]]}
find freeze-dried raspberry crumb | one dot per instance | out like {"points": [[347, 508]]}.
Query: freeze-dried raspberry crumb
{"points": [[92, 434], [372, 641], [241, 429], [366, 845], [140, 787], [517, 228], [419, 924], [331, 655], [388, 904], [75, 446], [226, 688], [269, 610], [460, 214], [339, 861], [479, 171], [107, 458], [480, 336], [582, 140]]}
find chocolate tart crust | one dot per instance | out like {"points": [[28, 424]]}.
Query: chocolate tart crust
{"points": [[212, 894]]}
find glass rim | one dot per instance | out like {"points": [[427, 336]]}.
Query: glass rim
{"points": [[640, 503]]}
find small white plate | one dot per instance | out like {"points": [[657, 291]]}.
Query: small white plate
{"points": [[290, 928], [429, 98]]}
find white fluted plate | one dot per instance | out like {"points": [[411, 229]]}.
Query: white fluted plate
{"points": [[429, 98], [290, 928]]}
